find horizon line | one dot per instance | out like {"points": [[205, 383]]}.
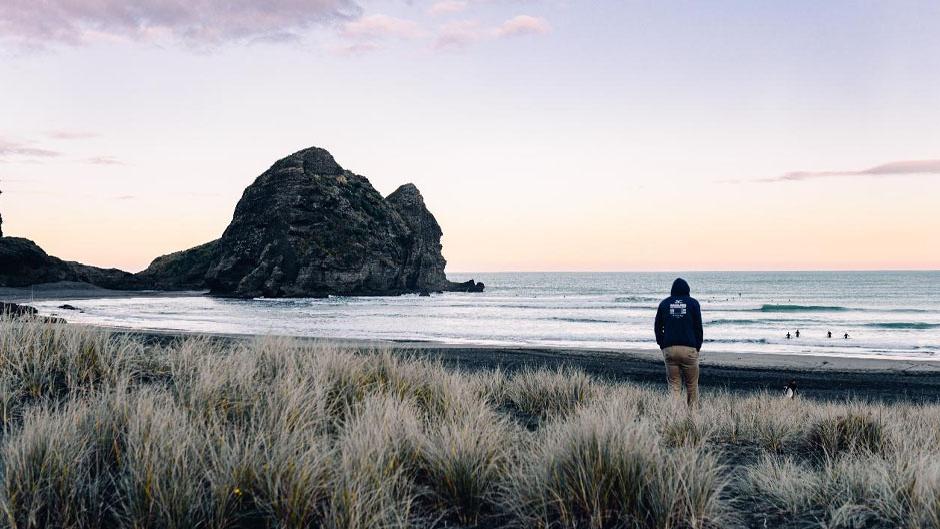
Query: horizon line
{"points": [[795, 270]]}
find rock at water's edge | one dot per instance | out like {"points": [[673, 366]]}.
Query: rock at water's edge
{"points": [[467, 286], [15, 311]]}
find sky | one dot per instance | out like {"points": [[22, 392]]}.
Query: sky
{"points": [[545, 135]]}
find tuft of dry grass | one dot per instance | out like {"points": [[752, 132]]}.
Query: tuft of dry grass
{"points": [[550, 393], [601, 468], [60, 468], [851, 432], [785, 485], [463, 462]]}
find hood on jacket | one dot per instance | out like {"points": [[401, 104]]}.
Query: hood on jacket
{"points": [[680, 287]]}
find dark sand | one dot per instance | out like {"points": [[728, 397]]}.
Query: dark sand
{"points": [[818, 377]]}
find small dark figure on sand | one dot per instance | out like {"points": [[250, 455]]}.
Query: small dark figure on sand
{"points": [[829, 334], [678, 329], [797, 333], [790, 389]]}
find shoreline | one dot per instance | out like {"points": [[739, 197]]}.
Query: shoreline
{"points": [[800, 361], [817, 375], [69, 290]]}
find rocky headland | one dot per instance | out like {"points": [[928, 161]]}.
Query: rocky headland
{"points": [[24, 263], [306, 227]]}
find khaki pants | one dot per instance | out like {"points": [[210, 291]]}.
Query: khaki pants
{"points": [[682, 363]]}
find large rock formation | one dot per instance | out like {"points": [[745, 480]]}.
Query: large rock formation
{"points": [[308, 227]]}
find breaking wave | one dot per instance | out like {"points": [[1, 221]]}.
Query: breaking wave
{"points": [[583, 320], [802, 308], [904, 325]]}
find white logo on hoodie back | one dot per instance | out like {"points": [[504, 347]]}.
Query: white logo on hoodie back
{"points": [[677, 309]]}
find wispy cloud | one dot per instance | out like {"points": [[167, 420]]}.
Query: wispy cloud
{"points": [[462, 33], [70, 134], [446, 7], [103, 160], [11, 148], [524, 25], [899, 168], [356, 48], [36, 24], [459, 35], [370, 33], [379, 27], [29, 152]]}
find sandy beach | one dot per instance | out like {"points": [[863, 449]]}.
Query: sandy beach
{"points": [[818, 377]]}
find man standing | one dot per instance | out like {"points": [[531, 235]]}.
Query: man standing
{"points": [[679, 334]]}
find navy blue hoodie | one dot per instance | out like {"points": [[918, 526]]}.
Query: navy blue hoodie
{"points": [[679, 319]]}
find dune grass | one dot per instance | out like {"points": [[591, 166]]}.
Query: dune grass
{"points": [[101, 430]]}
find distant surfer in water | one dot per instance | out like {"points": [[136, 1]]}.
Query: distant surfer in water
{"points": [[678, 329], [846, 337], [788, 336], [797, 333], [829, 334]]}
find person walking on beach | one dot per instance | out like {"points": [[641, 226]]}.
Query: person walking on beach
{"points": [[678, 329]]}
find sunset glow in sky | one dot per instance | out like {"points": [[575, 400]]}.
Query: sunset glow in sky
{"points": [[544, 134]]}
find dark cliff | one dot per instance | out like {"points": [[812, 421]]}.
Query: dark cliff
{"points": [[183, 270], [24, 263]]}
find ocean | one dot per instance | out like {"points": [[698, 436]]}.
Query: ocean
{"points": [[886, 314]]}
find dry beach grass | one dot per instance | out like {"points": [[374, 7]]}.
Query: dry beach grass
{"points": [[103, 430]]}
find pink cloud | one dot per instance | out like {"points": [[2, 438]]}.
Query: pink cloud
{"points": [[356, 48], [70, 134], [446, 7], [377, 27], [103, 160], [899, 168], [33, 23], [459, 35], [524, 25]]}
